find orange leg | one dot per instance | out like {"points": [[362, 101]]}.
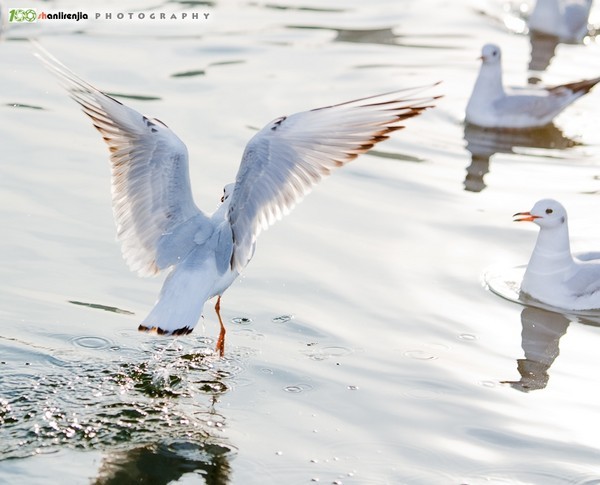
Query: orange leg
{"points": [[220, 347]]}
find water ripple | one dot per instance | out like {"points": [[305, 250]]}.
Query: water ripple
{"points": [[91, 342], [157, 396], [298, 388]]}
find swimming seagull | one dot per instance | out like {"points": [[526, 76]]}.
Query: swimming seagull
{"points": [[565, 19], [491, 106], [553, 275], [160, 226]]}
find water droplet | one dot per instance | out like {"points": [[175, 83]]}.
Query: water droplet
{"points": [[337, 351], [279, 453], [467, 336], [328, 352], [353, 388], [419, 355], [241, 320], [297, 388], [282, 318]]}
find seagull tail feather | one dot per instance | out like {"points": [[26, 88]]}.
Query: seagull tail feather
{"points": [[180, 303]]}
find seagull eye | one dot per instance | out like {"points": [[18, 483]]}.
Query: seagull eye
{"points": [[549, 211]]}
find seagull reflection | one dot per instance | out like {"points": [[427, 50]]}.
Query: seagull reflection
{"points": [[483, 143], [540, 336], [166, 462], [176, 434], [543, 47]]}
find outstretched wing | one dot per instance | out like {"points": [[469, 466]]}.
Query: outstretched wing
{"points": [[284, 160], [151, 191]]}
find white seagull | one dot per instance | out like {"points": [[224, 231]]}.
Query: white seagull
{"points": [[565, 19], [159, 225], [491, 106], [555, 276]]}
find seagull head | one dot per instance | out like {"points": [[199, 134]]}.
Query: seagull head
{"points": [[490, 54], [545, 213], [227, 191]]}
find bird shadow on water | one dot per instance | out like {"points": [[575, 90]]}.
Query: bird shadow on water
{"points": [[484, 143], [154, 417]]}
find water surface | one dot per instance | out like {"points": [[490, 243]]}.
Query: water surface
{"points": [[363, 344]]}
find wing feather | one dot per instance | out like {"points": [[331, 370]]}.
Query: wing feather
{"points": [[285, 159], [151, 190]]}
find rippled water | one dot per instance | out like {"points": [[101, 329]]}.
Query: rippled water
{"points": [[364, 343]]}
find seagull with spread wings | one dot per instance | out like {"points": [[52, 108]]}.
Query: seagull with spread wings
{"points": [[159, 225]]}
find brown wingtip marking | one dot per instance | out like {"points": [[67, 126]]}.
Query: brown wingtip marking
{"points": [[111, 148], [395, 128], [577, 86], [380, 137], [160, 331]]}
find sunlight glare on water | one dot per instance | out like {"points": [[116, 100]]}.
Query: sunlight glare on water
{"points": [[377, 337]]}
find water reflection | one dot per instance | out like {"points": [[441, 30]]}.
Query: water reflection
{"points": [[540, 336], [166, 462], [23, 105], [381, 36], [385, 36], [543, 48], [483, 143], [155, 415], [98, 306]]}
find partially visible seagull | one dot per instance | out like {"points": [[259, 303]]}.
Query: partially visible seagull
{"points": [[491, 106], [564, 19], [553, 275], [2, 18], [159, 225]]}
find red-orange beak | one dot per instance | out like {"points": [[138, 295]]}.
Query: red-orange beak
{"points": [[524, 217]]}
